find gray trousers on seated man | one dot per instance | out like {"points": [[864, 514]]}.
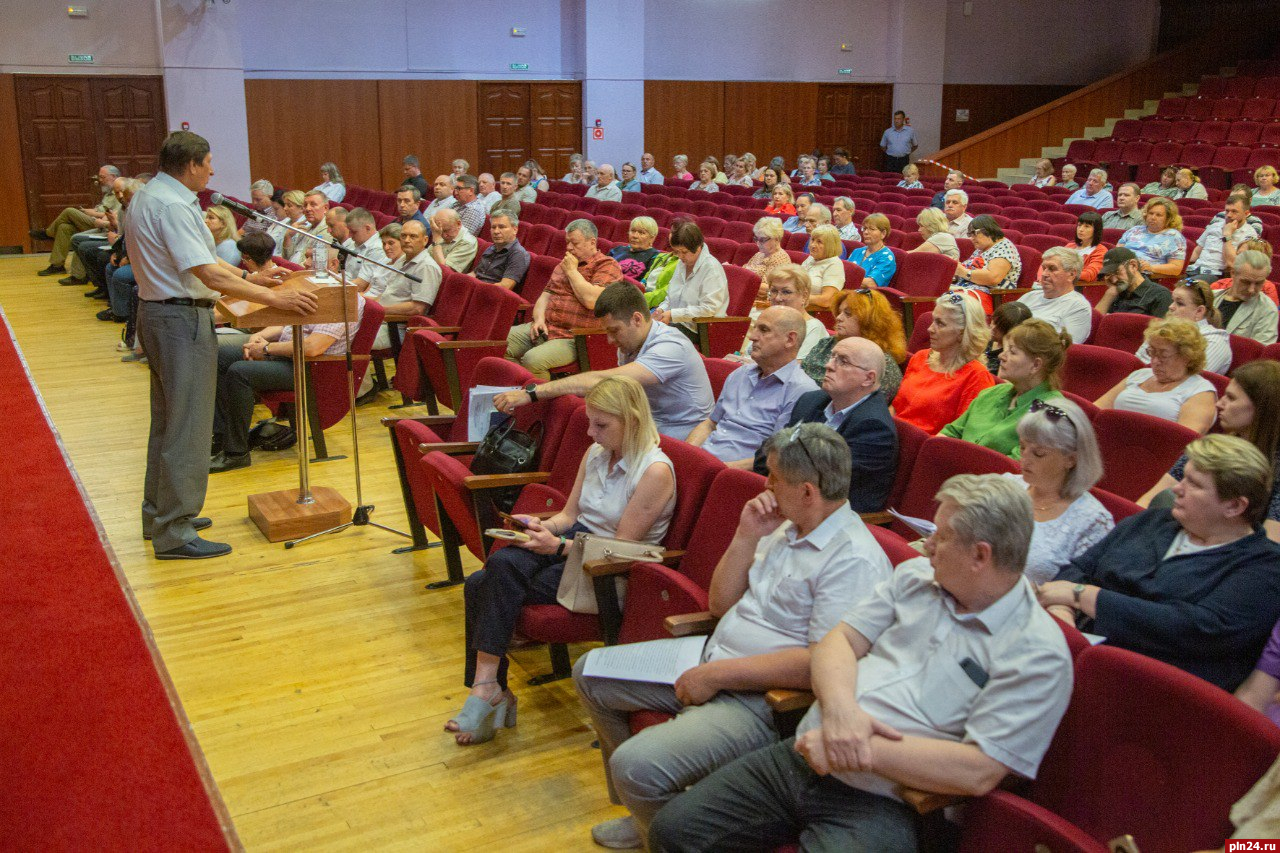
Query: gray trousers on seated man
{"points": [[646, 770], [238, 380]]}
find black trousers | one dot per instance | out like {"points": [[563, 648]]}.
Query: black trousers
{"points": [[896, 164]]}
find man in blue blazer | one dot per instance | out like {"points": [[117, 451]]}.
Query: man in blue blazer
{"points": [[851, 403]]}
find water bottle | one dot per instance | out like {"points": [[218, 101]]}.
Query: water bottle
{"points": [[320, 260]]}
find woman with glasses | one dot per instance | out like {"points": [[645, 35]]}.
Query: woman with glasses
{"points": [[1172, 387], [767, 234], [875, 258], [863, 313], [789, 286], [1029, 364], [706, 179], [1158, 241], [940, 382], [1060, 463], [994, 265]]}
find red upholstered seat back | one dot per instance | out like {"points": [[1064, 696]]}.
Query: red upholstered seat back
{"points": [[1092, 370], [1137, 450]]}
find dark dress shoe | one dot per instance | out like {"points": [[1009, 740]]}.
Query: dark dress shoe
{"points": [[108, 315], [72, 281], [39, 234], [52, 270], [229, 462], [196, 549], [367, 397], [199, 523], [96, 294]]}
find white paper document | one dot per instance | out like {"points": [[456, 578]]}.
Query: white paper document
{"points": [[481, 407], [923, 526], [1094, 639], [655, 661]]}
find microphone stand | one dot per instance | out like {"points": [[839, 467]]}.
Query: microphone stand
{"points": [[360, 516]]}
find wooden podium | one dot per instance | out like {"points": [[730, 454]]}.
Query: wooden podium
{"points": [[294, 513]]}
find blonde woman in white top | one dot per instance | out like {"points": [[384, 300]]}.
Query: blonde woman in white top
{"points": [[933, 228], [825, 269]]}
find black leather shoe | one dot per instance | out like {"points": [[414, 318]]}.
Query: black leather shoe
{"points": [[72, 281], [196, 549], [229, 462], [199, 523], [367, 397], [39, 234], [52, 270], [96, 294], [108, 315]]}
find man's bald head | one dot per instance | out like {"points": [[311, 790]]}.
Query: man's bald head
{"points": [[785, 320]]}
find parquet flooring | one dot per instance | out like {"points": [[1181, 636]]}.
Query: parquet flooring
{"points": [[317, 680]]}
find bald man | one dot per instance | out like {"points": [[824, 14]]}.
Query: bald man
{"points": [[606, 186]]}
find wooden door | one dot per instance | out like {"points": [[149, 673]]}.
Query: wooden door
{"points": [[504, 125], [555, 126], [854, 115], [69, 126]]}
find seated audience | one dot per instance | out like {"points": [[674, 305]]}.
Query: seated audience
{"points": [[1129, 291], [814, 215], [574, 175], [953, 181], [796, 225], [413, 175], [488, 190], [680, 168], [506, 262], [654, 354], [1172, 387], [781, 200], [767, 234], [757, 398], [1260, 691], [769, 181], [910, 178], [625, 489], [1249, 408], [994, 265], [752, 166], [1068, 179], [566, 303], [442, 189], [808, 173], [1060, 463], [452, 245], [1094, 192], [1245, 311], [460, 168], [526, 190], [315, 205], [374, 280], [1158, 242], [538, 177], [699, 287], [824, 170], [1128, 213], [761, 642], [331, 183], [882, 719], [470, 208], [1198, 586], [408, 203], [1057, 301], [362, 230], [825, 269], [263, 361], [1188, 185], [789, 286], [1268, 287], [256, 252], [706, 179], [606, 186], [637, 255], [403, 296], [629, 182], [507, 201], [933, 228], [1193, 301], [1267, 191], [260, 193], [1030, 361], [221, 223], [1000, 323], [1166, 186], [1216, 247], [853, 403], [863, 313], [738, 177], [842, 211], [648, 173], [840, 164], [1044, 174], [954, 205], [876, 259], [940, 382], [722, 176], [1088, 245]]}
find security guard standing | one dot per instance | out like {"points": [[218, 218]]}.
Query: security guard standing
{"points": [[179, 278]]}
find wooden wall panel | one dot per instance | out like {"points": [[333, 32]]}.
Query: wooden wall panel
{"points": [[13, 196], [434, 119], [295, 125], [989, 106], [767, 119], [684, 117]]}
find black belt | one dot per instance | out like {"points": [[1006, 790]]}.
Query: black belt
{"points": [[184, 300]]}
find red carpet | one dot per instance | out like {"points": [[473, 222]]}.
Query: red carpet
{"points": [[93, 745]]}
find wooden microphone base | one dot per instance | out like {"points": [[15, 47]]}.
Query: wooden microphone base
{"points": [[279, 515]]}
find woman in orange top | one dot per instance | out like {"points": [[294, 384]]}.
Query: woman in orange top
{"points": [[940, 382], [782, 202]]}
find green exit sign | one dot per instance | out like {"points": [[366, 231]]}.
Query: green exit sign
{"points": [[80, 58], [845, 71], [519, 66]]}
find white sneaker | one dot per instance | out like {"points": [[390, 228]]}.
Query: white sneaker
{"points": [[617, 834]]}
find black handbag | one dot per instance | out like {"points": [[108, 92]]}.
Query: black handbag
{"points": [[507, 450]]}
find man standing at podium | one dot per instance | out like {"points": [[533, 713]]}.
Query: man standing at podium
{"points": [[179, 279]]}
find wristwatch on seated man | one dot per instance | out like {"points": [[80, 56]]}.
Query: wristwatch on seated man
{"points": [[532, 390]]}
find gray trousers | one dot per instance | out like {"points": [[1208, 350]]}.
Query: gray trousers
{"points": [[646, 770], [182, 353], [772, 797], [538, 358]]}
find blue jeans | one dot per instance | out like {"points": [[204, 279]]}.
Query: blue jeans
{"points": [[120, 287]]}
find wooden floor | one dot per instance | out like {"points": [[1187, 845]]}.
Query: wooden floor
{"points": [[317, 680]]}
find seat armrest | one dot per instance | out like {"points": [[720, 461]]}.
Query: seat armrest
{"points": [[925, 802], [429, 420], [477, 482], [451, 448], [786, 701], [688, 624], [619, 565], [321, 359], [875, 518], [701, 321], [469, 344]]}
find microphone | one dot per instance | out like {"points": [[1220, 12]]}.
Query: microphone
{"points": [[243, 210]]}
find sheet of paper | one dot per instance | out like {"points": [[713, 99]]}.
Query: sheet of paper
{"points": [[1094, 639], [923, 526], [655, 661], [481, 407]]}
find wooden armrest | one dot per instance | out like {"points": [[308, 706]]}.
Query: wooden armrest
{"points": [[468, 344], [429, 420], [688, 624], [399, 318], [875, 518], [786, 701], [444, 330], [700, 321], [619, 565], [452, 448], [477, 482], [920, 299], [925, 802], [321, 359]]}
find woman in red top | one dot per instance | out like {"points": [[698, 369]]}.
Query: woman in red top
{"points": [[940, 382], [783, 203]]}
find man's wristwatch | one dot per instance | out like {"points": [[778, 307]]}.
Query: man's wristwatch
{"points": [[532, 390], [1076, 592]]}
